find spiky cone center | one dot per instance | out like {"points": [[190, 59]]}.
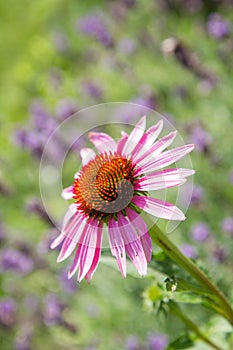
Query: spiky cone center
{"points": [[105, 185]]}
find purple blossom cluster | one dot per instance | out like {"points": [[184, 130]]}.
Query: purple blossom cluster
{"points": [[217, 27], [93, 25], [154, 341], [15, 261], [8, 309], [41, 126]]}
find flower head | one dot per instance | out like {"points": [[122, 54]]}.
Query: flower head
{"points": [[111, 189]]}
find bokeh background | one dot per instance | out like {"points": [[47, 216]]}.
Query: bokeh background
{"points": [[58, 57]]}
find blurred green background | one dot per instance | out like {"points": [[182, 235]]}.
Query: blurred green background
{"points": [[58, 57]]}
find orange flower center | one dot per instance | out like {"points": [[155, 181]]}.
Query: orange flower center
{"points": [[105, 185]]}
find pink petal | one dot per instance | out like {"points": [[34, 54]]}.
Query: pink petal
{"points": [[97, 254], [163, 179], [121, 142], [133, 245], [67, 249], [67, 193], [147, 139], [147, 246], [142, 230], [73, 235], [69, 217], [165, 159], [103, 142], [157, 148], [158, 208], [117, 245], [134, 136], [155, 184], [87, 250], [87, 154], [153, 132]]}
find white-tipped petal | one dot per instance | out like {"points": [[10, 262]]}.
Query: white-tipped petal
{"points": [[87, 154]]}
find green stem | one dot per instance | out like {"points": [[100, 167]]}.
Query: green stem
{"points": [[175, 254], [174, 308]]}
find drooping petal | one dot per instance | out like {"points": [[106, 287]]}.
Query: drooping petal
{"points": [[158, 208], [87, 154], [164, 159], [103, 142], [85, 253], [67, 193], [70, 218], [117, 245], [87, 249], [133, 245], [134, 136], [97, 254], [72, 234], [142, 230], [121, 142], [67, 248], [156, 149], [147, 140]]}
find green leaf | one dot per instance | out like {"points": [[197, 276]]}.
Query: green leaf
{"points": [[183, 342]]}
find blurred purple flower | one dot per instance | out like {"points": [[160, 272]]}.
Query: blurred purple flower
{"points": [[217, 27], [189, 250], [220, 254], [94, 26], [128, 3], [15, 261], [41, 118], [132, 342], [70, 286], [52, 313], [157, 341], [126, 46], [66, 107], [200, 231], [200, 137], [227, 225], [7, 312], [92, 89], [197, 194]]}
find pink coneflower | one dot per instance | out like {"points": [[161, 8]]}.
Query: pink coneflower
{"points": [[111, 190]]}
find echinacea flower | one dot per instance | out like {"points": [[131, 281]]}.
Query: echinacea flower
{"points": [[111, 189]]}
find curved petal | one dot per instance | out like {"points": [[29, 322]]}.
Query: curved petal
{"points": [[87, 154], [165, 159], [70, 218], [117, 245], [103, 142], [157, 148], [163, 179], [72, 234], [134, 136], [87, 249], [158, 208], [133, 244], [121, 142], [147, 139], [67, 193], [97, 254], [142, 230]]}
